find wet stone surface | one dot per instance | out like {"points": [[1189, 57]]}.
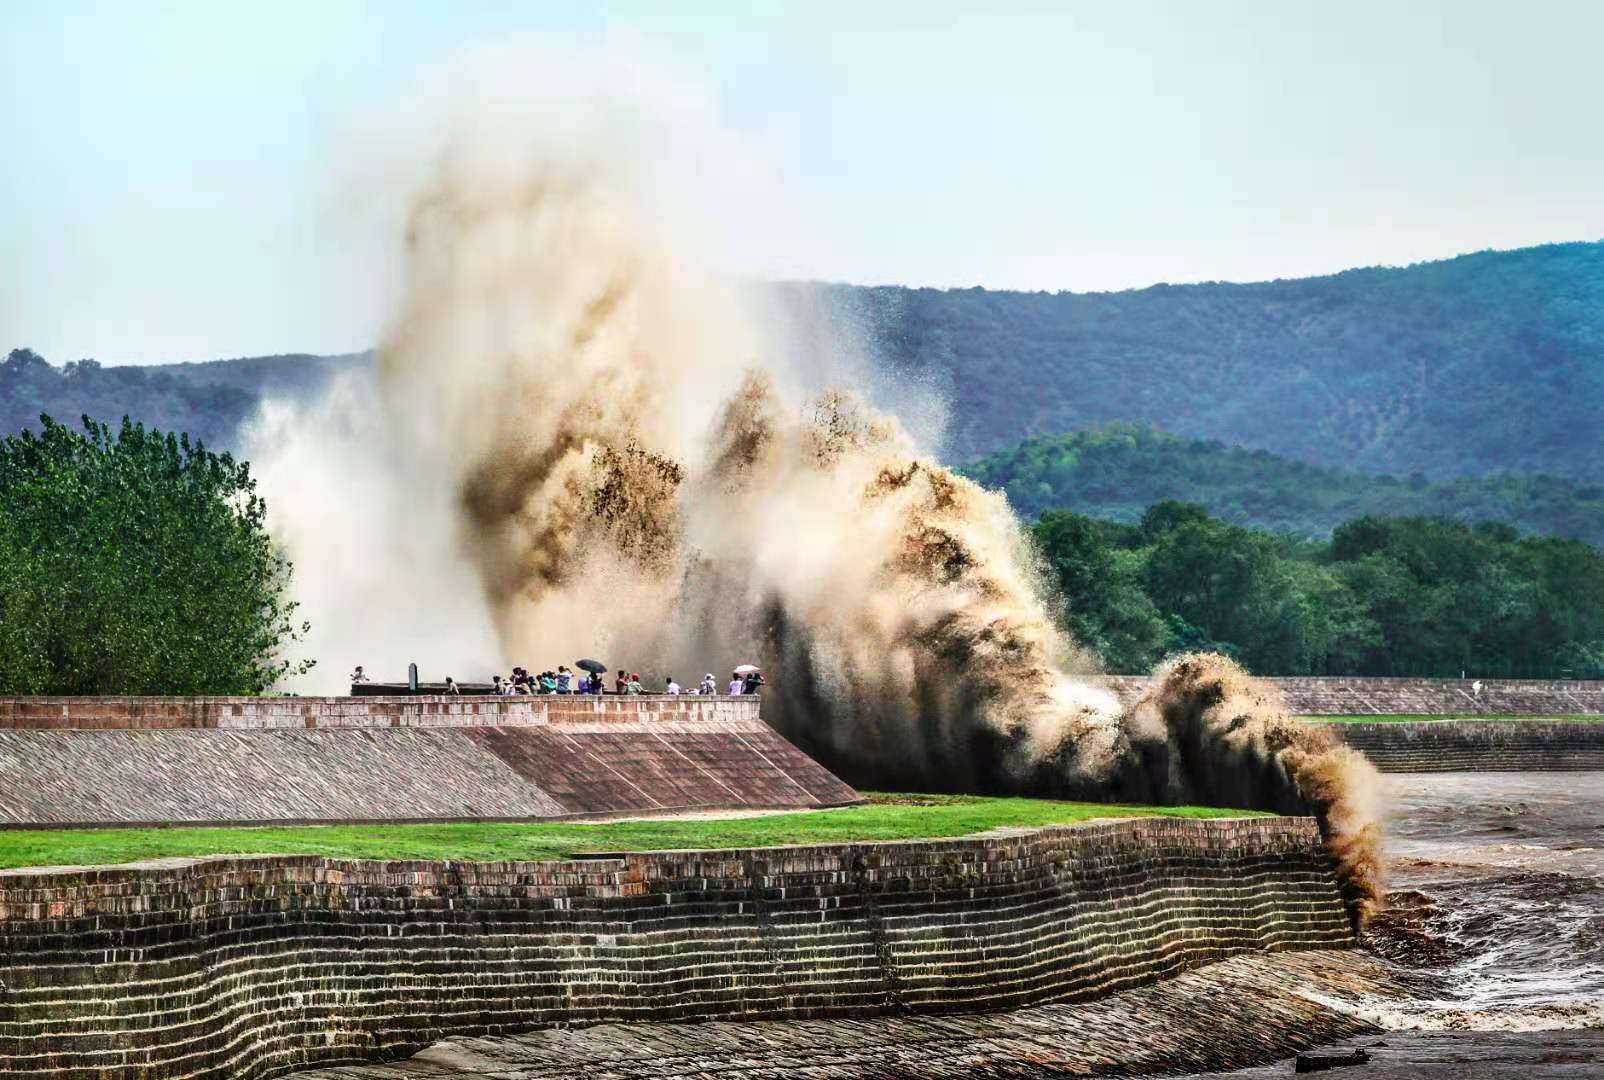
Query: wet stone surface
{"points": [[1238, 1010], [1459, 1055]]}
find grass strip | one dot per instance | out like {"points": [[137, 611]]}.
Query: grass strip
{"points": [[1410, 718], [886, 817]]}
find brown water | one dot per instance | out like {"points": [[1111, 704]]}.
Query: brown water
{"points": [[1498, 889], [1496, 918]]}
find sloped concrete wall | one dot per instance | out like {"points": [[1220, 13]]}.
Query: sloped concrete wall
{"points": [[255, 966], [1478, 745], [1361, 696], [66, 762]]}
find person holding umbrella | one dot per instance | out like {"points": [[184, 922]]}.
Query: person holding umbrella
{"points": [[594, 684], [751, 678]]}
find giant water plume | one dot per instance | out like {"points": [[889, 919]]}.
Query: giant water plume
{"points": [[580, 441]]}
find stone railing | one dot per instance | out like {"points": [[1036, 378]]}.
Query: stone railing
{"points": [[240, 967], [158, 761], [257, 713]]}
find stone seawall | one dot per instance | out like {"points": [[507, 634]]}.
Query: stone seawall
{"points": [[1430, 697], [274, 713], [1478, 745], [155, 761], [241, 967]]}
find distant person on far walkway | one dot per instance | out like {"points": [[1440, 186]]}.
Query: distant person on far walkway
{"points": [[753, 680], [598, 684], [737, 684], [621, 684], [708, 686], [359, 676], [634, 686], [548, 682], [565, 679], [672, 687], [495, 685], [1475, 688], [451, 686]]}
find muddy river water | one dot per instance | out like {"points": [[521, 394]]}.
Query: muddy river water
{"points": [[1496, 911]]}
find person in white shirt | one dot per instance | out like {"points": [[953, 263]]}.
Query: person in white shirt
{"points": [[737, 684], [708, 685], [359, 675], [672, 687]]}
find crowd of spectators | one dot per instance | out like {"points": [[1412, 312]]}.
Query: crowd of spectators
{"points": [[747, 680]]}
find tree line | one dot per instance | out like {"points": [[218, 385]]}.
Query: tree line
{"points": [[1413, 596], [1121, 470], [136, 562]]}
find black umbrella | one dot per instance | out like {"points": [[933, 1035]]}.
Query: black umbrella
{"points": [[595, 667]]}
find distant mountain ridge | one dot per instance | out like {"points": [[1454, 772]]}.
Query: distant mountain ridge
{"points": [[1486, 363], [212, 401], [1492, 362]]}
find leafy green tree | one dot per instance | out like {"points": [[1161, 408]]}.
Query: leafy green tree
{"points": [[1386, 596], [1107, 610], [136, 563]]}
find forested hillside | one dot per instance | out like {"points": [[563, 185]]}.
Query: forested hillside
{"points": [[207, 401], [1483, 364], [1117, 473], [1491, 362], [1386, 596]]}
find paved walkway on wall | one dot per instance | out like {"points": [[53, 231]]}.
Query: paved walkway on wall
{"points": [[1237, 1012]]}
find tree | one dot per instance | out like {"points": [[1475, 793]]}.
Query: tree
{"points": [[1107, 610], [136, 563]]}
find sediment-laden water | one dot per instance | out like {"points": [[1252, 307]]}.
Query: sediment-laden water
{"points": [[1500, 877], [1495, 923]]}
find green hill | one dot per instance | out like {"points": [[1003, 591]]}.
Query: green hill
{"points": [[1484, 364], [1487, 363], [1120, 471], [211, 401]]}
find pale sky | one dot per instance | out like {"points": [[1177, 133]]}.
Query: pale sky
{"points": [[173, 172]]}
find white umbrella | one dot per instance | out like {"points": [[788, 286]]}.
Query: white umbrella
{"points": [[747, 669]]}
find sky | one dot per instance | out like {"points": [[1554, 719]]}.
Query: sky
{"points": [[177, 180]]}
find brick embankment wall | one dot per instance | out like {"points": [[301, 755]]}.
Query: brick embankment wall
{"points": [[1478, 745], [66, 762], [241, 967], [1360, 696]]}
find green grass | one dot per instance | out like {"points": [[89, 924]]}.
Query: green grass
{"points": [[1408, 718], [886, 817]]}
